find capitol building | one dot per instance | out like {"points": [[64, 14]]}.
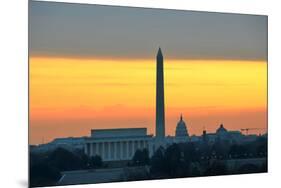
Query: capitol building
{"points": [[122, 143]]}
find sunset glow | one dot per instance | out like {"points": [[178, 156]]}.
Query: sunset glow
{"points": [[69, 96]]}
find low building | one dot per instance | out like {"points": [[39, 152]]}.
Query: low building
{"points": [[223, 134], [118, 144], [121, 144], [69, 143]]}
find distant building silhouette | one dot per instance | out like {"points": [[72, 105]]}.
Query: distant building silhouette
{"points": [[181, 130]]}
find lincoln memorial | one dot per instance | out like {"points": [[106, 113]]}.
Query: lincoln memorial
{"points": [[117, 144]]}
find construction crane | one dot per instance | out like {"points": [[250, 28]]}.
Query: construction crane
{"points": [[250, 129]]}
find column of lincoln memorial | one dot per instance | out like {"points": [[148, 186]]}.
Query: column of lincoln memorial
{"points": [[116, 146]]}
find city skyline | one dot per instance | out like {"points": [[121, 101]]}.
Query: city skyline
{"points": [[72, 92]]}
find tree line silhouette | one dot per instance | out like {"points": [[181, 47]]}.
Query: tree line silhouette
{"points": [[177, 160]]}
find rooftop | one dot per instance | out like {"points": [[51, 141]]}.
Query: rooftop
{"points": [[120, 132]]}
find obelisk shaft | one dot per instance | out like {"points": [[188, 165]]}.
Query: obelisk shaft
{"points": [[160, 110]]}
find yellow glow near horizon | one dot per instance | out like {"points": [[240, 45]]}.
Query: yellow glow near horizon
{"points": [[62, 88]]}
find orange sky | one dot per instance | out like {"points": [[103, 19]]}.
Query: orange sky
{"points": [[68, 97]]}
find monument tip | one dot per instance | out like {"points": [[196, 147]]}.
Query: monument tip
{"points": [[159, 51]]}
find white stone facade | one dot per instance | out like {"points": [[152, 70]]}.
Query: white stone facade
{"points": [[117, 144]]}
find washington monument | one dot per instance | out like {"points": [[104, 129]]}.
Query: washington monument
{"points": [[160, 106]]}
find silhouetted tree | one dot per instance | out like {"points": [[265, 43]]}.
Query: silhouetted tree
{"points": [[190, 153], [42, 174], [65, 160], [216, 168], [174, 161], [248, 168], [264, 167], [85, 160], [95, 162], [261, 148], [238, 151], [141, 157], [195, 172], [220, 149], [170, 162], [158, 163]]}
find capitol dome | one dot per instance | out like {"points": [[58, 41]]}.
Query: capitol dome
{"points": [[221, 129], [181, 130]]}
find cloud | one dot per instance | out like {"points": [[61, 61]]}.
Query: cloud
{"points": [[77, 30]]}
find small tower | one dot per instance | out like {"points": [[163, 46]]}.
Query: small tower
{"points": [[204, 135]]}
